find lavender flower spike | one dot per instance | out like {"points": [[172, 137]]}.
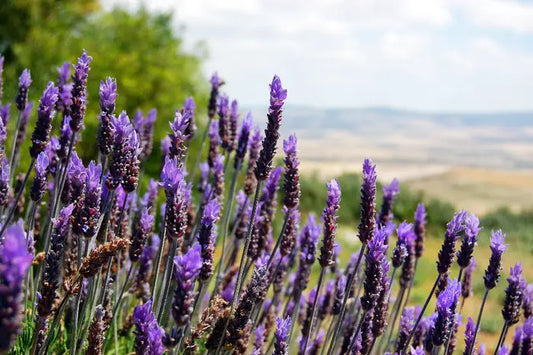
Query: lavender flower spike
{"points": [[79, 91], [329, 218], [469, 240], [14, 261], [148, 334], [268, 150], [389, 195], [188, 267], [368, 202], [105, 135], [447, 252], [4, 182], [446, 304], [140, 235], [206, 237], [22, 95], [242, 144], [469, 335], [420, 229], [1, 78], [466, 283], [292, 177], [374, 270], [399, 253], [41, 134], [514, 295], [281, 347], [41, 172], [216, 83], [189, 110], [497, 246]]}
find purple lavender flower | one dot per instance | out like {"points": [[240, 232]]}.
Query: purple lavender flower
{"points": [[123, 150], [254, 144], [216, 83], [292, 177], [466, 283], [218, 177], [223, 123], [517, 341], [308, 245], [268, 150], [187, 270], [528, 301], [340, 287], [24, 83], [75, 181], [407, 322], [469, 335], [65, 89], [1, 78], [145, 129], [178, 136], [38, 188], [233, 125], [497, 246], [91, 204], [259, 339], [446, 304], [178, 194], [4, 181], [482, 349], [242, 144], [4, 115], [374, 270], [447, 252], [399, 253], [140, 235], [527, 337], [368, 202], [214, 142], [148, 334], [79, 91], [288, 242], [389, 195], [206, 237], [469, 240], [14, 261], [108, 95], [45, 113], [503, 350], [420, 229], [329, 218], [189, 110], [514, 295], [283, 326]]}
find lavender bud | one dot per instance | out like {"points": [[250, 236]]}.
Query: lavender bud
{"points": [[91, 204], [218, 177], [281, 347], [469, 335], [96, 332], [374, 270], [527, 337], [389, 195], [223, 123], [292, 177], [120, 154], [4, 181], [189, 110], [148, 334], [329, 219], [446, 304], [308, 246], [178, 137], [527, 306], [368, 202], [214, 142], [233, 125], [497, 246], [503, 350], [178, 194], [242, 144], [41, 173], [4, 116], [466, 284], [216, 83], [420, 229], [379, 321], [206, 237], [447, 252], [408, 266], [24, 83], [340, 287], [254, 145], [517, 341], [469, 240], [108, 95], [259, 340], [14, 262], [291, 231], [514, 295], [399, 253], [407, 321], [79, 91], [268, 150], [140, 235], [187, 267], [41, 134]]}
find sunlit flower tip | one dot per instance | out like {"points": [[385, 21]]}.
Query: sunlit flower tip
{"points": [[108, 95], [93, 175], [81, 69], [63, 74], [148, 334], [283, 327], [503, 350], [277, 93], [211, 212], [25, 79], [190, 105], [498, 247]]}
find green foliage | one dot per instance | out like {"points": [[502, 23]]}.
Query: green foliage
{"points": [[140, 49], [517, 226]]}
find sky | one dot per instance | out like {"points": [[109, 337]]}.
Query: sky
{"points": [[426, 55]]}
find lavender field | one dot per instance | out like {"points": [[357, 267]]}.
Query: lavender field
{"points": [[215, 254]]}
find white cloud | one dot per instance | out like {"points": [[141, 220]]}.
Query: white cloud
{"points": [[502, 14]]}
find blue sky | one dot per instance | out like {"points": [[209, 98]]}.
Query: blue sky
{"points": [[431, 55]]}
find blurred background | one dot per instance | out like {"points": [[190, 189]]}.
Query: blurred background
{"points": [[437, 93]]}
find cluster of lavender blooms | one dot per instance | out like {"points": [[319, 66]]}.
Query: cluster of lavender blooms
{"points": [[98, 261]]}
